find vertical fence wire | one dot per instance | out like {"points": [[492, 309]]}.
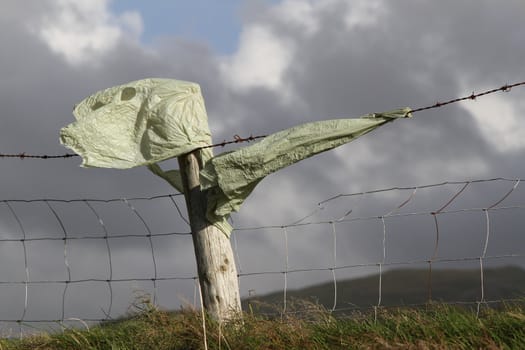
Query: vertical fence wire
{"points": [[66, 261], [334, 265], [380, 265], [150, 240], [436, 246], [432, 258], [178, 210], [383, 246], [26, 266], [110, 260], [481, 258], [483, 255], [286, 268]]}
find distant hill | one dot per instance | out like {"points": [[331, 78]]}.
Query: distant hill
{"points": [[409, 286]]}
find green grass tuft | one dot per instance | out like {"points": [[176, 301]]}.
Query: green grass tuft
{"points": [[430, 327]]}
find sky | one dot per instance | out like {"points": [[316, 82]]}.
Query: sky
{"points": [[264, 66], [215, 24]]}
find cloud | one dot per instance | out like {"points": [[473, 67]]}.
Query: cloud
{"points": [[500, 123], [82, 31], [298, 13], [364, 13], [260, 61]]}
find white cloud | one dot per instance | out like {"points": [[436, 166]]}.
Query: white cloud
{"points": [[260, 61], [364, 13], [299, 13], [499, 122], [263, 56], [82, 30]]}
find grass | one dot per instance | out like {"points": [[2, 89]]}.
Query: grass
{"points": [[431, 327]]}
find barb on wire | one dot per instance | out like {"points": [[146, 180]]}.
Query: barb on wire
{"points": [[239, 139], [236, 139]]}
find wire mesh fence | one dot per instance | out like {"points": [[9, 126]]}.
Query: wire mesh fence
{"points": [[72, 262]]}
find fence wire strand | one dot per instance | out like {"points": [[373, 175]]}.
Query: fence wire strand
{"points": [[286, 268], [238, 139], [334, 236]]}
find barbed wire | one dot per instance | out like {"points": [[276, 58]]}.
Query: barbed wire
{"points": [[239, 139], [23, 155], [473, 96]]}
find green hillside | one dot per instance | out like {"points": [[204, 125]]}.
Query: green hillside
{"points": [[407, 287]]}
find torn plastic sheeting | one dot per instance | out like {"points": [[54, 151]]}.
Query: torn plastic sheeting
{"points": [[232, 176], [151, 120], [139, 123]]}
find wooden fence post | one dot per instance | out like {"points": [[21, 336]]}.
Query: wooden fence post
{"points": [[213, 251]]}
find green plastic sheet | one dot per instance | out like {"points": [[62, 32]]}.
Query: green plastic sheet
{"points": [[232, 176], [139, 123], [148, 121]]}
